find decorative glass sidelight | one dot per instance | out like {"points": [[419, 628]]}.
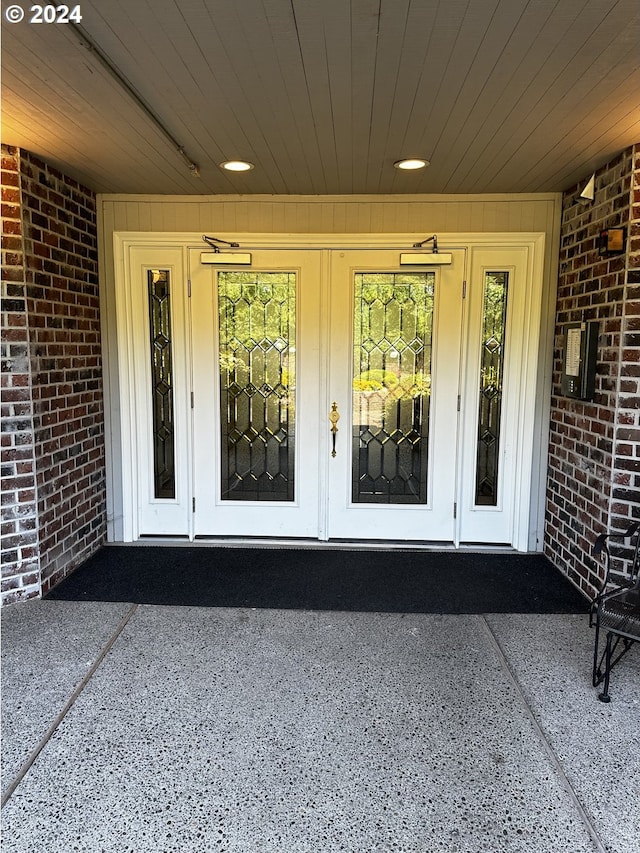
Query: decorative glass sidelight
{"points": [[393, 321], [494, 320], [158, 288], [257, 312]]}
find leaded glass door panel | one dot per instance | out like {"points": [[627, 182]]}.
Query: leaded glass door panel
{"points": [[257, 360], [498, 397], [153, 313], [395, 357], [255, 340]]}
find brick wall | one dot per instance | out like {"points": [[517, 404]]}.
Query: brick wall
{"points": [[19, 524], [594, 460], [62, 364]]}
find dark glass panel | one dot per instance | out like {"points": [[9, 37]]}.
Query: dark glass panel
{"points": [[393, 320], [158, 287], [494, 319], [257, 384]]}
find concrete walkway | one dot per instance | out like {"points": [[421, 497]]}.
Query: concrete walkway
{"points": [[154, 729]]}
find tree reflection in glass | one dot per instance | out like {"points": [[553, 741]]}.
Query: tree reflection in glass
{"points": [[257, 312], [393, 321], [494, 318]]}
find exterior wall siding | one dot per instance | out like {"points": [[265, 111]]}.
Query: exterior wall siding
{"points": [[329, 214], [594, 459], [62, 371]]}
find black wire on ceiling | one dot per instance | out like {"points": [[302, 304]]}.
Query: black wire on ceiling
{"points": [[87, 42]]}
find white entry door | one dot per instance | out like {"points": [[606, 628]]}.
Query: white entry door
{"points": [[256, 408], [394, 356]]}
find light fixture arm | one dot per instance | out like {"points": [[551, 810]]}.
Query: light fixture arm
{"points": [[433, 240], [211, 241]]}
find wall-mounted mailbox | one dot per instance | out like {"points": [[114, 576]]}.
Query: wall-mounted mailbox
{"points": [[579, 360]]}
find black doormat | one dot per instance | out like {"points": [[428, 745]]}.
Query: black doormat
{"points": [[316, 579]]}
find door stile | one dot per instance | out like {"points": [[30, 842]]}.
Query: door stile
{"points": [[457, 521], [192, 401], [448, 344], [527, 379], [324, 393], [127, 398]]}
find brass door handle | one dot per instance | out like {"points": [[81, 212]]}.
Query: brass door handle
{"points": [[334, 417]]}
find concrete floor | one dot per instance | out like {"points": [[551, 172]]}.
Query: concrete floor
{"points": [[156, 729]]}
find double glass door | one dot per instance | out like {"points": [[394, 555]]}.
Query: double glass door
{"points": [[325, 389]]}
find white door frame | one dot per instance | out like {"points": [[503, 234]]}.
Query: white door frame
{"points": [[125, 493]]}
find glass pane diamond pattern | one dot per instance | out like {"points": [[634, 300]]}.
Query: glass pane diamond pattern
{"points": [[393, 321], [494, 318], [257, 325], [158, 287]]}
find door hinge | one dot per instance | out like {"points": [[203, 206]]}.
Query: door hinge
{"points": [[189, 288], [193, 504], [457, 409], [192, 400], [464, 289], [455, 510]]}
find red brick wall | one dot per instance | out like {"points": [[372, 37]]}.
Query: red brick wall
{"points": [[62, 317], [594, 460], [19, 524]]}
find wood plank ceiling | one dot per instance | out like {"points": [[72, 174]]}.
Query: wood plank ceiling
{"points": [[324, 95]]}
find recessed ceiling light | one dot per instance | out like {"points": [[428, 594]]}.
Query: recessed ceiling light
{"points": [[411, 163], [236, 166]]}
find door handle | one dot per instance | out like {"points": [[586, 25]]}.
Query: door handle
{"points": [[334, 417]]}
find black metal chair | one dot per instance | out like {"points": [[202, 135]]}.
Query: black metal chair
{"points": [[615, 611]]}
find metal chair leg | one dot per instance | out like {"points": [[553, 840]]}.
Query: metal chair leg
{"points": [[596, 676], [604, 696]]}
